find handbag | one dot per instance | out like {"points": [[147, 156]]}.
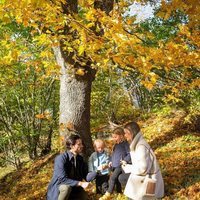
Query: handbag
{"points": [[140, 187], [149, 186], [148, 183]]}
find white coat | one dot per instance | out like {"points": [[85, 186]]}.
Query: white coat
{"points": [[143, 162]]}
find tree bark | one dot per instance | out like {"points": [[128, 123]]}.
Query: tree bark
{"points": [[75, 92]]}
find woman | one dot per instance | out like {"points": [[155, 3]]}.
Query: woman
{"points": [[143, 164]]}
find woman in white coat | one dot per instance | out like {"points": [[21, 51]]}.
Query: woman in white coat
{"points": [[144, 164]]}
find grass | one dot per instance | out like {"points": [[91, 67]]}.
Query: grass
{"points": [[5, 170]]}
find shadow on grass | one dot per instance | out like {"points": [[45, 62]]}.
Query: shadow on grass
{"points": [[9, 181], [179, 129], [21, 181], [180, 163]]}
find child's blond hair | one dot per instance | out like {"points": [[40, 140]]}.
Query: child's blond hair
{"points": [[118, 131], [100, 141]]}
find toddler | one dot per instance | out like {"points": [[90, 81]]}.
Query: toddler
{"points": [[98, 166]]}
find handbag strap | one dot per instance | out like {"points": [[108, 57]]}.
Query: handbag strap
{"points": [[151, 163]]}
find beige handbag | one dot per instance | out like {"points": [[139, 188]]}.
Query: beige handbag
{"points": [[149, 186], [149, 183]]}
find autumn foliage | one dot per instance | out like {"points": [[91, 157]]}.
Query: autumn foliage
{"points": [[111, 40]]}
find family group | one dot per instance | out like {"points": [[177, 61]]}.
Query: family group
{"points": [[131, 168]]}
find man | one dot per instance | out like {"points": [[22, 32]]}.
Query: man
{"points": [[69, 172]]}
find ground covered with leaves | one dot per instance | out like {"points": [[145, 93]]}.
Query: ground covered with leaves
{"points": [[175, 143]]}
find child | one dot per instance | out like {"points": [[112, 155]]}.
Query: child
{"points": [[98, 166], [121, 153]]}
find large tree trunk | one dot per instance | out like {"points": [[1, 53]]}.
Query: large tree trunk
{"points": [[75, 92], [75, 89]]}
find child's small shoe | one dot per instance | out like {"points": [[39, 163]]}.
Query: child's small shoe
{"points": [[106, 196]]}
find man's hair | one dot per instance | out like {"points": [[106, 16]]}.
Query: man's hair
{"points": [[118, 131], [133, 127], [71, 140]]}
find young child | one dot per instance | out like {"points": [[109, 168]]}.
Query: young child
{"points": [[120, 153], [98, 166]]}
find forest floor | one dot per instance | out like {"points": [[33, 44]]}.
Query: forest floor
{"points": [[175, 143]]}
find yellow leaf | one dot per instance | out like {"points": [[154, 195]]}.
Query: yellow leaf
{"points": [[40, 116], [14, 54], [80, 72], [81, 49]]}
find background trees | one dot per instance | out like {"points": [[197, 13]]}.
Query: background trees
{"points": [[29, 97], [155, 61]]}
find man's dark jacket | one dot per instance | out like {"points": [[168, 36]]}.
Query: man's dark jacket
{"points": [[64, 173]]}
